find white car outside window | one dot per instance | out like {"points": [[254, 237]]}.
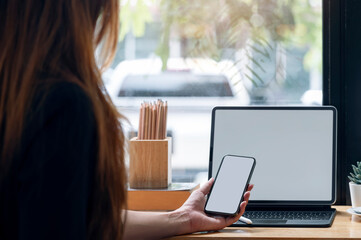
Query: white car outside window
{"points": [[192, 87]]}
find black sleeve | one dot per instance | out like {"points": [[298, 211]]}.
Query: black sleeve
{"points": [[55, 178]]}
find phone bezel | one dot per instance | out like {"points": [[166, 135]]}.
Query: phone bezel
{"points": [[244, 190]]}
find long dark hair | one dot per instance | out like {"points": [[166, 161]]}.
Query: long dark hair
{"points": [[60, 38]]}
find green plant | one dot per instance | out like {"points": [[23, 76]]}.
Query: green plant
{"points": [[356, 175]]}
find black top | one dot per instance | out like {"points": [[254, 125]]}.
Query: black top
{"points": [[46, 193]]}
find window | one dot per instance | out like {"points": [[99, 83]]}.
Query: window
{"points": [[200, 54], [341, 83]]}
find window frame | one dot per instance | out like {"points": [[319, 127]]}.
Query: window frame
{"points": [[341, 84]]}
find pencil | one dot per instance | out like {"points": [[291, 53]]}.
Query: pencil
{"points": [[153, 120], [140, 122], [141, 129], [146, 121], [149, 121], [165, 119], [158, 122]]}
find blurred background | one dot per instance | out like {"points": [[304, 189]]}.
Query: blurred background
{"points": [[205, 53]]}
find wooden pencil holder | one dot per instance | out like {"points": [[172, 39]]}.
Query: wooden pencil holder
{"points": [[150, 163]]}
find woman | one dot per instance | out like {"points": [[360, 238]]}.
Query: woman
{"points": [[62, 173]]}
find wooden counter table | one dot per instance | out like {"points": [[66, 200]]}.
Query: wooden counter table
{"points": [[345, 226]]}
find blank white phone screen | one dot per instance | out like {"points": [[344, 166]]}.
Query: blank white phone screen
{"points": [[229, 185]]}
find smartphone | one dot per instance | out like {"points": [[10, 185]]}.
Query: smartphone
{"points": [[231, 182]]}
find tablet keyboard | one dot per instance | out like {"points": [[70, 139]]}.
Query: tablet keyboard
{"points": [[289, 215], [288, 218]]}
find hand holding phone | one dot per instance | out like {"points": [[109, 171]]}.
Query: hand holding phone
{"points": [[230, 184]]}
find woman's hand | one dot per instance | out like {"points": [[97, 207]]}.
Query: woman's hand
{"points": [[197, 219], [188, 218]]}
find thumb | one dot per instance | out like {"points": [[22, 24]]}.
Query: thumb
{"points": [[207, 186]]}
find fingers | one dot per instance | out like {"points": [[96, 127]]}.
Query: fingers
{"points": [[207, 186], [246, 196], [231, 220], [218, 223], [241, 209]]}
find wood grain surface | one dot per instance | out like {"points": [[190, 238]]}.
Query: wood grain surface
{"points": [[149, 163], [345, 226]]}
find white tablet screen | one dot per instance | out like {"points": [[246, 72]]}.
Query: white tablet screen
{"points": [[293, 150]]}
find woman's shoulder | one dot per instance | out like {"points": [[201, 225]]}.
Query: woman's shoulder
{"points": [[61, 92], [57, 104], [63, 96]]}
